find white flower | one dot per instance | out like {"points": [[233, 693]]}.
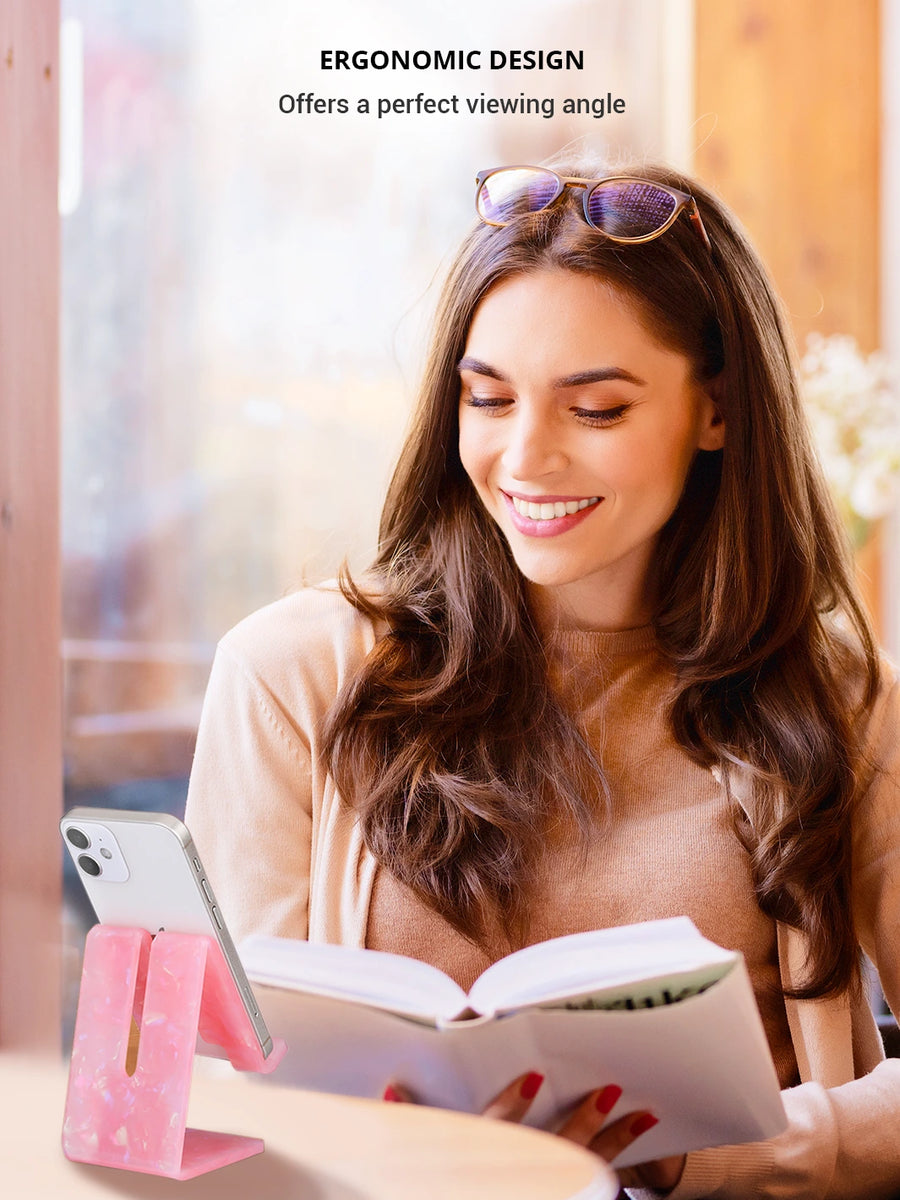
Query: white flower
{"points": [[872, 495], [854, 412]]}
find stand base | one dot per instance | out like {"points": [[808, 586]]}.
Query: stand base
{"points": [[203, 1151]]}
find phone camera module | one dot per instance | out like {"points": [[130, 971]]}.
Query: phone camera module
{"points": [[94, 846]]}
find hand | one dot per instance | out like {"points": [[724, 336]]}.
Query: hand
{"points": [[585, 1126]]}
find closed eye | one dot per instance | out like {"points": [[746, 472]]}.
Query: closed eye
{"points": [[601, 416], [485, 401]]}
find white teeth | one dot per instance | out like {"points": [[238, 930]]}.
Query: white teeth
{"points": [[550, 511]]}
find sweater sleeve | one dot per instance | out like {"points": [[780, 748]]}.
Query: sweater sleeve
{"points": [[249, 803], [841, 1143]]}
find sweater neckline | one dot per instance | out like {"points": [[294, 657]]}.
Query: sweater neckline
{"points": [[604, 642]]}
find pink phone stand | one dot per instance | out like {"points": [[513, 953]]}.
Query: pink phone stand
{"points": [[173, 988]]}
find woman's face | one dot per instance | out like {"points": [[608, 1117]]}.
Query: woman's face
{"points": [[577, 429]]}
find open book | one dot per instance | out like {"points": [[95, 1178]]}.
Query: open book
{"points": [[655, 1008]]}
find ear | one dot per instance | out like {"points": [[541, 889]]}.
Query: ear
{"points": [[712, 423]]}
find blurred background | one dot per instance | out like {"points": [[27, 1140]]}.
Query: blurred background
{"points": [[243, 294], [244, 301]]}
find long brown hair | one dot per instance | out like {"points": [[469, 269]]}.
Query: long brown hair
{"points": [[451, 744]]}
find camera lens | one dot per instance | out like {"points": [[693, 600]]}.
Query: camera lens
{"points": [[88, 864], [78, 838]]}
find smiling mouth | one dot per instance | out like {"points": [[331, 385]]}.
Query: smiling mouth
{"points": [[553, 510]]}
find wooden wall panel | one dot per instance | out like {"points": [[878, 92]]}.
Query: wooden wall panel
{"points": [[30, 700], [794, 92], [789, 129]]}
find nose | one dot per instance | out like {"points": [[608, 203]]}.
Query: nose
{"points": [[534, 447]]}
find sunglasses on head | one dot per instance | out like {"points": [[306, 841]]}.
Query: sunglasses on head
{"points": [[625, 209]]}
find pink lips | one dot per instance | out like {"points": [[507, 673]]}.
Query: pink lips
{"points": [[555, 525]]}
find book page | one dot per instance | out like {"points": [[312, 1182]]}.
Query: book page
{"points": [[390, 982], [583, 964], [646, 993]]}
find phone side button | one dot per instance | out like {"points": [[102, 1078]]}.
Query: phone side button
{"points": [[216, 917], [206, 892]]}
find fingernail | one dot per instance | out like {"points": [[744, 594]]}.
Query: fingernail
{"points": [[606, 1101], [391, 1093], [642, 1124], [530, 1085]]}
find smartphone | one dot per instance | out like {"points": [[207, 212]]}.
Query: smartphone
{"points": [[142, 869]]}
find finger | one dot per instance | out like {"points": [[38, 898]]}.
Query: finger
{"points": [[587, 1119], [515, 1100], [618, 1135], [398, 1094]]}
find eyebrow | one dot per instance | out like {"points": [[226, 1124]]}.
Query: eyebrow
{"points": [[578, 379]]}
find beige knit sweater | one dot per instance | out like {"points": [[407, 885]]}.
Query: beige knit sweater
{"points": [[285, 857]]}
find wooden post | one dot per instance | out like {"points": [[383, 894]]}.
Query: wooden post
{"points": [[30, 698], [788, 109]]}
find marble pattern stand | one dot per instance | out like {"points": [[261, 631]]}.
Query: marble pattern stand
{"points": [[173, 986]]}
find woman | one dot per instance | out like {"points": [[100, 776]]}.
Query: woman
{"points": [[609, 665]]}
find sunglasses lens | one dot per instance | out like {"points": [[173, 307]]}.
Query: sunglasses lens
{"points": [[509, 193], [629, 208]]}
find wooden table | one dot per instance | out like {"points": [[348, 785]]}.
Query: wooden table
{"points": [[317, 1148]]}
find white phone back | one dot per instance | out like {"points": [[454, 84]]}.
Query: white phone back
{"points": [[151, 877]]}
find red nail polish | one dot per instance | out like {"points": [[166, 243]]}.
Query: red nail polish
{"points": [[391, 1093], [642, 1124], [606, 1101], [530, 1085]]}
